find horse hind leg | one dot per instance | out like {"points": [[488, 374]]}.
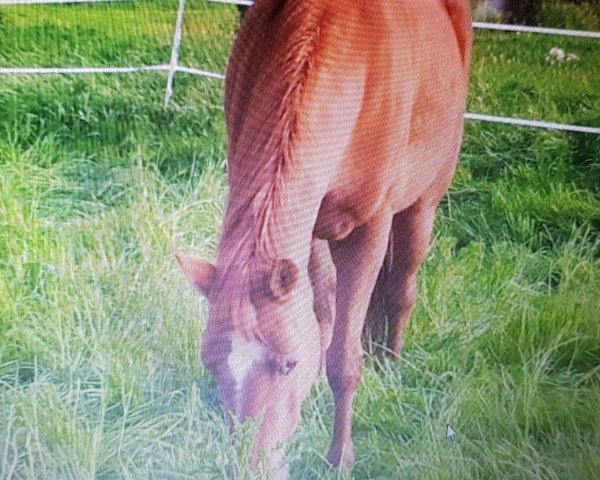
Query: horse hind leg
{"points": [[376, 322], [396, 289]]}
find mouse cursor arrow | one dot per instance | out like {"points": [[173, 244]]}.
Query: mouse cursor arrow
{"points": [[450, 433]]}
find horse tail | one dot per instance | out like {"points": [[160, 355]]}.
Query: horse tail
{"points": [[460, 16]]}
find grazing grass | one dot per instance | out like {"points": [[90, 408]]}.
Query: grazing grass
{"points": [[99, 375]]}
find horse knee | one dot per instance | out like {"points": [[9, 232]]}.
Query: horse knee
{"points": [[344, 375]]}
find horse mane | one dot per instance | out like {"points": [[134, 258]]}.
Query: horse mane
{"points": [[290, 45]]}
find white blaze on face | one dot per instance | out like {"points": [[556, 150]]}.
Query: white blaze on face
{"points": [[242, 356]]}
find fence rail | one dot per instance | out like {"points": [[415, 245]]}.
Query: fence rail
{"points": [[532, 123], [173, 66], [102, 70], [80, 70], [45, 2], [529, 29]]}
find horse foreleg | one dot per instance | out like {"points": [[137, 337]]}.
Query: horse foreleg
{"points": [[323, 280], [357, 259]]}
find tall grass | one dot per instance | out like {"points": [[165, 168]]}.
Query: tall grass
{"points": [[99, 375]]}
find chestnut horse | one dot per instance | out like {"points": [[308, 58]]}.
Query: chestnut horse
{"points": [[344, 125]]}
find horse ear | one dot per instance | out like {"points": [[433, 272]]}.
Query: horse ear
{"points": [[283, 277], [199, 273]]}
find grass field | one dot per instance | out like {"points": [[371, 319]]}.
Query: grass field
{"points": [[99, 375]]}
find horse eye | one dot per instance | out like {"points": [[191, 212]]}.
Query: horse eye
{"points": [[287, 366], [283, 367]]}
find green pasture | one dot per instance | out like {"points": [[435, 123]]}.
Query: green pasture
{"points": [[99, 371]]}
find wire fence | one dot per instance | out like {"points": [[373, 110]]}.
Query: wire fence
{"points": [[173, 66]]}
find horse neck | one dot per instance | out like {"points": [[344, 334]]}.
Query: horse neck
{"points": [[275, 188]]}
